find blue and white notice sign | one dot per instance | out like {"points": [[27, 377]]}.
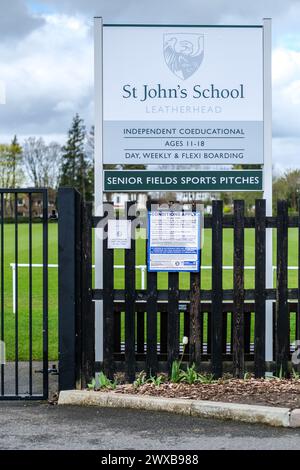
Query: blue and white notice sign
{"points": [[174, 241]]}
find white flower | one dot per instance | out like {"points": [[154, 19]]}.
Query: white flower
{"points": [[185, 340]]}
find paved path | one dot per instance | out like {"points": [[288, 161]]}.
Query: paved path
{"points": [[41, 426], [23, 377]]}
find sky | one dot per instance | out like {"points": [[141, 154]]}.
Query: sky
{"points": [[46, 59]]}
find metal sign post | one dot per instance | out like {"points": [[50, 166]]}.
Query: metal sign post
{"points": [[98, 74], [267, 71]]}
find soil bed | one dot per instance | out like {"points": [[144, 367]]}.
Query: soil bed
{"points": [[275, 392]]}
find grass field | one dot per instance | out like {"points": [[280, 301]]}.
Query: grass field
{"points": [[23, 294], [23, 291]]}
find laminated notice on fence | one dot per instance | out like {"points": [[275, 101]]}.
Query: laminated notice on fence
{"points": [[174, 241], [119, 234]]}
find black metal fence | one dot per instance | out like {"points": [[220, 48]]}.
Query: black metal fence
{"points": [[225, 327], [24, 309]]}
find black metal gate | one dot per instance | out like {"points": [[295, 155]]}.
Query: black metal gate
{"points": [[23, 294]]}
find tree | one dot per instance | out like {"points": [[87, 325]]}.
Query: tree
{"points": [[15, 159], [42, 162], [76, 167], [10, 164], [287, 187], [90, 144], [11, 175], [52, 164], [90, 150]]}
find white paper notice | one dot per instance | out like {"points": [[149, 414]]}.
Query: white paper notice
{"points": [[119, 234]]}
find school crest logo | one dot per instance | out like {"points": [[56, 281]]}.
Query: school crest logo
{"points": [[183, 53]]}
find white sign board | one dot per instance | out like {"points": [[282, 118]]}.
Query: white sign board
{"points": [[174, 241], [119, 234], [182, 94], [226, 119]]}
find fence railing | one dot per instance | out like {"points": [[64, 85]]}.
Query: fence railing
{"points": [[143, 327], [140, 267], [215, 300]]}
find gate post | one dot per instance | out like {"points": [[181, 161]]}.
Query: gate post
{"points": [[76, 316], [87, 317]]}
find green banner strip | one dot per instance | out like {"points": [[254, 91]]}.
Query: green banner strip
{"points": [[144, 180]]}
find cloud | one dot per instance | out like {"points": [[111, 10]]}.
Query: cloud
{"points": [[49, 77], [286, 153], [46, 57], [168, 11], [16, 21], [2, 92], [286, 92]]}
